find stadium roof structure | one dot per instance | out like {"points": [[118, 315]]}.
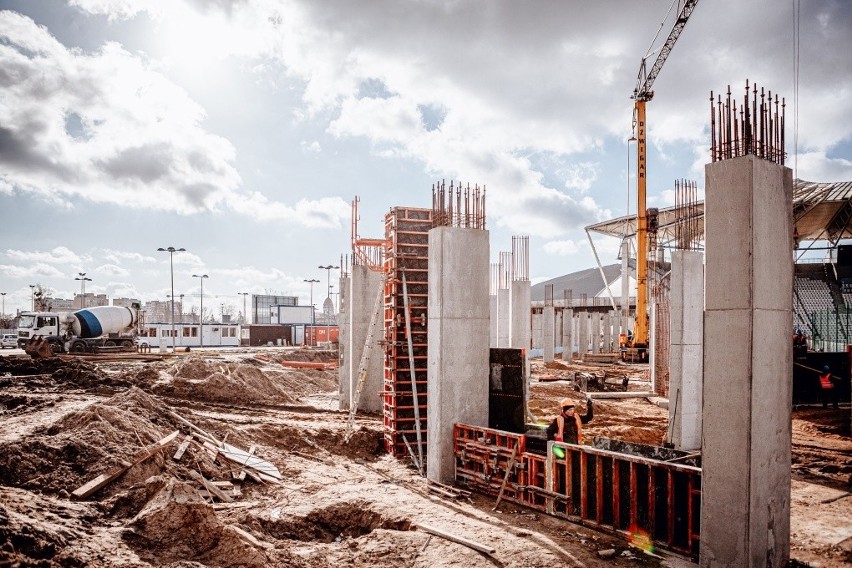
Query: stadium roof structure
{"points": [[821, 211]]}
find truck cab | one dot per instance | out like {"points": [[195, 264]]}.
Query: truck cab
{"points": [[41, 324]]}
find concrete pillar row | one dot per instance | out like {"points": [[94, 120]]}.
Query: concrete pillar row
{"points": [[745, 493], [596, 332], [458, 362], [583, 333], [607, 332]]}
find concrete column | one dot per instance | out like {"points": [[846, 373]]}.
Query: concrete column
{"points": [[607, 332], [583, 334], [686, 353], [492, 327], [548, 327], [596, 332], [745, 497], [458, 371], [567, 335], [504, 316], [345, 322], [364, 287], [535, 323], [519, 299]]}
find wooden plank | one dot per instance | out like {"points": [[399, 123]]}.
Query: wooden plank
{"points": [[182, 448], [106, 478], [212, 489], [241, 475], [508, 472], [457, 539]]}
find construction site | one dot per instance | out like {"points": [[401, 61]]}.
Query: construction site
{"points": [[710, 398]]}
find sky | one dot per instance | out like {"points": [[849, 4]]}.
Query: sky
{"points": [[241, 130]]}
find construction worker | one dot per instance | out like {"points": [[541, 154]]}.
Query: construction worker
{"points": [[568, 426], [826, 387]]}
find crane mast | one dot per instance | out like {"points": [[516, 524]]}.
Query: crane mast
{"points": [[641, 95]]}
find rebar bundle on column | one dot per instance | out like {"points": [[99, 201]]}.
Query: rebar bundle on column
{"points": [[520, 257], [755, 128], [457, 206], [687, 215]]}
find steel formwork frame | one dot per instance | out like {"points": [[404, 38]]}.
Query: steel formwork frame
{"points": [[406, 252], [649, 502]]}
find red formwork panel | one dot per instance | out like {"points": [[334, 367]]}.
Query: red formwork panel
{"points": [[406, 252], [650, 502]]}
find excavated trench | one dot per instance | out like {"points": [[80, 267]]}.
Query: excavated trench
{"points": [[333, 523]]}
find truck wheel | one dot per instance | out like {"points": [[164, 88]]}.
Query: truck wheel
{"points": [[78, 347], [109, 343], [56, 348], [126, 343]]}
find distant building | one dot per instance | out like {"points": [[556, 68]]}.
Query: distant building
{"points": [[59, 305], [126, 302], [90, 300], [262, 306]]}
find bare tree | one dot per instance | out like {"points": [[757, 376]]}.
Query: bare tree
{"points": [[42, 296]]}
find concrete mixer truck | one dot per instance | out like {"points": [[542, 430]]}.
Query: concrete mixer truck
{"points": [[101, 328]]}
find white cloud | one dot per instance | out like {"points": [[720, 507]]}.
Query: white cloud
{"points": [[58, 255], [136, 139], [312, 147], [112, 270], [816, 166], [35, 270], [561, 248], [119, 257]]}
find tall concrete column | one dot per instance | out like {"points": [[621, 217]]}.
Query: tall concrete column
{"points": [[504, 316], [567, 335], [535, 324], [547, 333], [583, 333], [607, 332], [596, 332], [364, 287], [745, 494], [345, 323], [458, 365], [519, 299], [686, 353]]}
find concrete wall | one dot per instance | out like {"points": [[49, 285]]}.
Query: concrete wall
{"points": [[365, 285], [582, 334], [745, 499], [596, 332], [492, 326], [458, 364], [535, 325], [686, 353], [343, 344]]}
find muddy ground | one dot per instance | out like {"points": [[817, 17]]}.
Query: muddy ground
{"points": [[64, 422]]}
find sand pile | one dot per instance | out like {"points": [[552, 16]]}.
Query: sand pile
{"points": [[56, 373], [309, 355]]}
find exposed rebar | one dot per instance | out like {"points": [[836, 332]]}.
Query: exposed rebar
{"points": [[755, 129], [458, 206]]}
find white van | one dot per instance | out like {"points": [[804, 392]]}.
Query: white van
{"points": [[9, 340]]}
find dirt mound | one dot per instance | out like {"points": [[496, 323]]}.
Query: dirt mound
{"points": [[365, 443], [82, 444], [310, 355], [56, 373], [177, 525], [196, 379], [26, 542]]}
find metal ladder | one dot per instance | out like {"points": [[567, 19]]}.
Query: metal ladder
{"points": [[365, 361]]}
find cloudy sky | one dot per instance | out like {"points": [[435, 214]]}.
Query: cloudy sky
{"points": [[241, 130]]}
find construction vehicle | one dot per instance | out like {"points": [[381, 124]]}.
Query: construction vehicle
{"points": [[636, 347], [90, 330]]}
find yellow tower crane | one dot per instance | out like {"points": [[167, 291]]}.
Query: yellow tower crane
{"points": [[637, 348]]}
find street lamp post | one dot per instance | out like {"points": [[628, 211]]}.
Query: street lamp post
{"points": [[245, 315], [32, 295], [3, 312], [312, 281], [172, 251], [82, 278], [328, 268], [201, 278]]}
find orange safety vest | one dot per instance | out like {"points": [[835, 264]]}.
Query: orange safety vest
{"points": [[560, 433], [825, 381]]}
